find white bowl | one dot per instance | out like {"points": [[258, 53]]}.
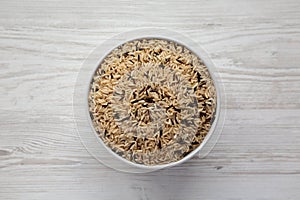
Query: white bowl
{"points": [[85, 129]]}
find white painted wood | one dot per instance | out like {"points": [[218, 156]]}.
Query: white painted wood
{"points": [[256, 46]]}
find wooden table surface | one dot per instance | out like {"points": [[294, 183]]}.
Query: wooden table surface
{"points": [[255, 45]]}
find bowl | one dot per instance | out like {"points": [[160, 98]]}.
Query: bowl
{"points": [[146, 119]]}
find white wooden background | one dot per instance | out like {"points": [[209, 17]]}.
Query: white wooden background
{"points": [[256, 46]]}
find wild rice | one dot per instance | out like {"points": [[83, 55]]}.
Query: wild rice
{"points": [[152, 101]]}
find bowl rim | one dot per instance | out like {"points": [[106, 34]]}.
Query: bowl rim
{"points": [[168, 35]]}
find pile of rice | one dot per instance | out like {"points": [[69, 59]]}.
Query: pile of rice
{"points": [[152, 101]]}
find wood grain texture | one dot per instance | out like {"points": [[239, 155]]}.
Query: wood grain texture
{"points": [[255, 45]]}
